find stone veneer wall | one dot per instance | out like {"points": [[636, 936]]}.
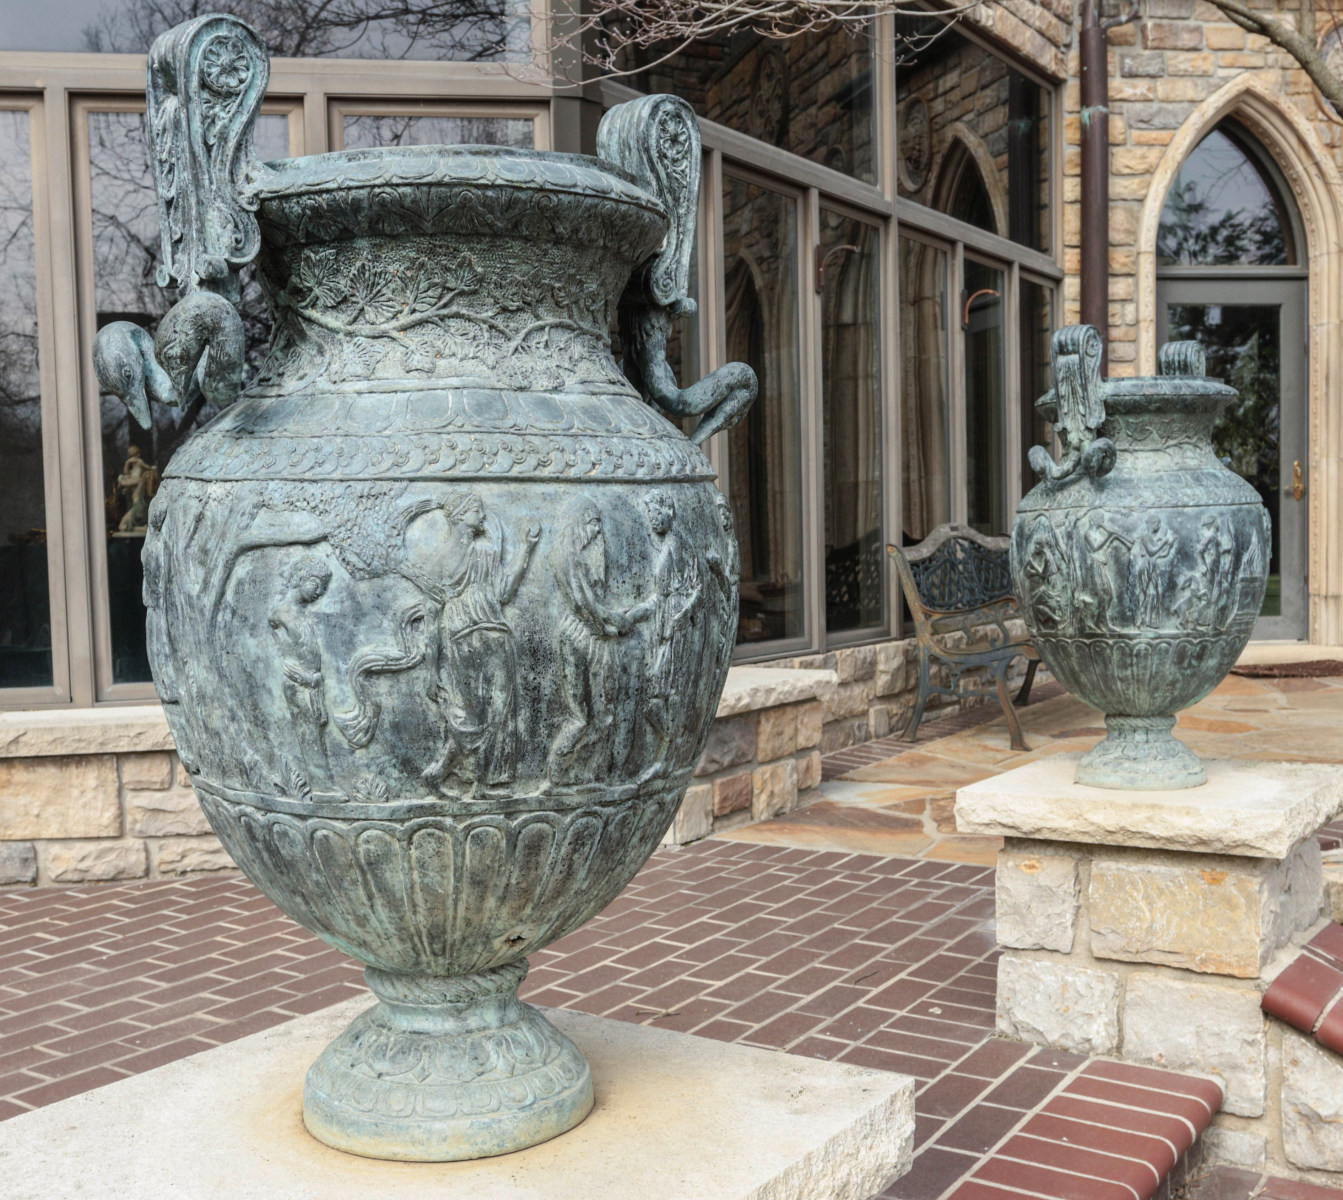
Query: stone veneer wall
{"points": [[1162, 957], [99, 796], [94, 818]]}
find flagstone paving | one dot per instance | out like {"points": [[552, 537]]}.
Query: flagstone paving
{"points": [[891, 797]]}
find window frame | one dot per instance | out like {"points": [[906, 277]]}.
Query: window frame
{"points": [[61, 89]]}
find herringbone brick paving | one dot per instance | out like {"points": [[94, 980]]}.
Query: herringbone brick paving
{"points": [[884, 962]]}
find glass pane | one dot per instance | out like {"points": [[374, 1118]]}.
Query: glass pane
{"points": [[925, 470], [810, 94], [765, 450], [125, 259], [972, 133], [489, 30], [1222, 209], [851, 424], [367, 131], [982, 321], [25, 611], [1037, 327], [1244, 347]]}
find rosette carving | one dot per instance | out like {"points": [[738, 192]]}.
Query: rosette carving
{"points": [[205, 84]]}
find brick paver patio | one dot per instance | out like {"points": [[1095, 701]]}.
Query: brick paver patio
{"points": [[877, 959]]}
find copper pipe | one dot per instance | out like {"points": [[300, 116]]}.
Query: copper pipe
{"points": [[1095, 232]]}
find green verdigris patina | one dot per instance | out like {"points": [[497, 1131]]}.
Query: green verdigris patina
{"points": [[1140, 559], [441, 608]]}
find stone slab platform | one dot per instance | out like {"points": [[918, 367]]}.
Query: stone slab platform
{"points": [[676, 1117], [1256, 809]]}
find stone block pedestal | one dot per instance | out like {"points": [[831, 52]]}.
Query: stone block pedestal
{"points": [[676, 1117], [1146, 925]]}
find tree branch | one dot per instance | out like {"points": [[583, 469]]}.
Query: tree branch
{"points": [[1300, 47]]}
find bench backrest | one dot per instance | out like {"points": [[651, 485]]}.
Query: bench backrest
{"points": [[955, 568]]}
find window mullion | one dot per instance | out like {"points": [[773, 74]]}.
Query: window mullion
{"points": [[79, 624]]}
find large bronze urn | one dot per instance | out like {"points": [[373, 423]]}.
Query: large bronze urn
{"points": [[441, 607], [1140, 559]]}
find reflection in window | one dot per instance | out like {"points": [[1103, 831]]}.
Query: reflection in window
{"points": [[25, 613], [1222, 209], [368, 131], [765, 450], [961, 192], [475, 31], [125, 227], [1244, 347], [851, 420], [811, 94], [953, 95], [924, 472], [982, 325], [1036, 316]]}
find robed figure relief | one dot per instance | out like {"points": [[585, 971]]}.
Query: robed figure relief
{"points": [[1151, 563], [475, 670], [589, 631], [670, 611], [726, 574], [301, 664]]}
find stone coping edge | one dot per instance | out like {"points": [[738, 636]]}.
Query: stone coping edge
{"points": [[749, 689], [677, 1116], [116, 729], [1250, 808], [131, 729]]}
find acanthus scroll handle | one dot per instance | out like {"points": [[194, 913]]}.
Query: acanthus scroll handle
{"points": [[657, 139], [205, 82], [1078, 398]]}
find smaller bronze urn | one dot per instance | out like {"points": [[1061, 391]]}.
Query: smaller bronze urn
{"points": [[1140, 559]]}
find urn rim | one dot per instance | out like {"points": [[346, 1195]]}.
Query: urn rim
{"points": [[469, 165], [1173, 395]]}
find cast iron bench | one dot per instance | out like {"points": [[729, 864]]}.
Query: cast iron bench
{"points": [[957, 582]]}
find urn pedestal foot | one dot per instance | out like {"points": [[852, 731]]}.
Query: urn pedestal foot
{"points": [[1141, 753], [445, 1069]]}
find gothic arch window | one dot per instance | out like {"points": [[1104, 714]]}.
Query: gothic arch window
{"points": [[961, 191], [1226, 207], [1230, 276]]}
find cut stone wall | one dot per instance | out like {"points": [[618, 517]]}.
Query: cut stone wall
{"points": [[1162, 958], [99, 796], [100, 818]]}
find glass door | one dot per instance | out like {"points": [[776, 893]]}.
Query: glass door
{"points": [[983, 320], [1257, 345]]}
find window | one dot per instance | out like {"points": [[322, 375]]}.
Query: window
{"points": [[760, 240], [79, 248], [851, 422], [973, 134], [1223, 210], [925, 396], [977, 292], [25, 551], [810, 95]]}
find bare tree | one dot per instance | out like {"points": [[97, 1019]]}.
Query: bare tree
{"points": [[588, 38], [1299, 42], [458, 30]]}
